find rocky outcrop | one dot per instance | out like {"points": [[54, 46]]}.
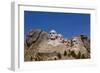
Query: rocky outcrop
{"points": [[35, 37], [39, 47], [81, 45]]}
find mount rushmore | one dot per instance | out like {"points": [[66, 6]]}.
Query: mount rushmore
{"points": [[40, 45]]}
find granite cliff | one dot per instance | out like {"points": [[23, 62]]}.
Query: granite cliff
{"points": [[40, 46]]}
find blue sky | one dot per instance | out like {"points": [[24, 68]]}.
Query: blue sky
{"points": [[68, 24]]}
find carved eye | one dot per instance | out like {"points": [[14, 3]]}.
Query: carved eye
{"points": [[65, 41], [53, 33], [74, 41]]}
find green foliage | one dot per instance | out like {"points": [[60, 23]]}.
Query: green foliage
{"points": [[59, 55], [69, 53], [65, 53], [55, 58], [73, 54], [31, 58], [83, 37], [83, 57], [79, 55]]}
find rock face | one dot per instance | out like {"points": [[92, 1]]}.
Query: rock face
{"points": [[39, 47], [35, 37]]}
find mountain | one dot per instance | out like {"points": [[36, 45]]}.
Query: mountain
{"points": [[38, 46]]}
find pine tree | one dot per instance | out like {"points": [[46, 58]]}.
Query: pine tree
{"points": [[59, 55], [73, 54], [31, 58], [69, 53], [65, 53], [79, 55], [82, 56]]}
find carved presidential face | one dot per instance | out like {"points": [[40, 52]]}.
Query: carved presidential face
{"points": [[74, 41], [67, 42], [60, 38], [53, 34]]}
